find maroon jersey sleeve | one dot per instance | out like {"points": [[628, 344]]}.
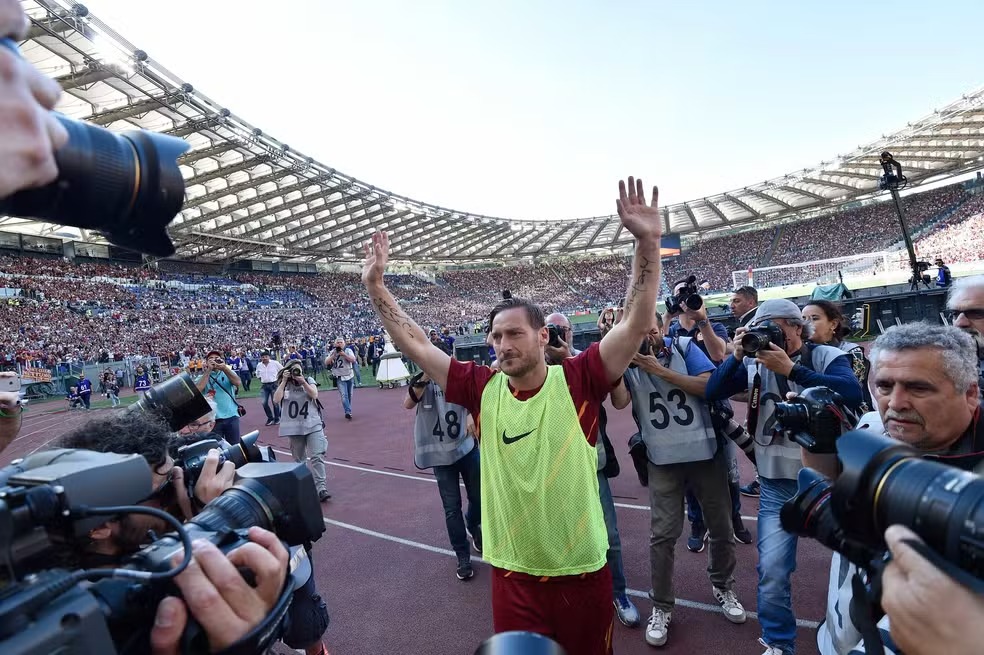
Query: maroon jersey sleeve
{"points": [[466, 382], [588, 384]]}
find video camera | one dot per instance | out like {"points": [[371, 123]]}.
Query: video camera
{"points": [[50, 501], [759, 337], [885, 482], [815, 419], [688, 295]]}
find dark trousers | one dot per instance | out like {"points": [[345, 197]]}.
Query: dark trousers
{"points": [[84, 397], [267, 391], [447, 484], [246, 378], [228, 428]]}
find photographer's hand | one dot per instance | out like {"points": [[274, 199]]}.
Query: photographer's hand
{"points": [[555, 355], [736, 342], [213, 479], [218, 597], [929, 612], [649, 364], [776, 360], [29, 132]]}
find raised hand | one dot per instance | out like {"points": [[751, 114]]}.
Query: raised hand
{"points": [[377, 253], [640, 219]]}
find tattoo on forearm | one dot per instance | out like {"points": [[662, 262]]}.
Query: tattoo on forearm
{"points": [[391, 314], [646, 270]]}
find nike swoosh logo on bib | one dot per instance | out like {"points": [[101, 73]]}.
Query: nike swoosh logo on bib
{"points": [[509, 440]]}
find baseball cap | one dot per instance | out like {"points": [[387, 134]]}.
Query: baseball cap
{"points": [[213, 352], [776, 308]]}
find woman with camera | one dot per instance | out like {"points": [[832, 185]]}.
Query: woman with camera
{"points": [[301, 422], [830, 326]]}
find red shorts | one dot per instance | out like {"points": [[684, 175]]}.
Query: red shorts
{"points": [[576, 611]]}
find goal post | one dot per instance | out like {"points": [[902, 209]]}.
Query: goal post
{"points": [[823, 271]]}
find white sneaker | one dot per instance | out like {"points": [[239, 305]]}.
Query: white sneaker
{"points": [[771, 650], [658, 628], [733, 611]]}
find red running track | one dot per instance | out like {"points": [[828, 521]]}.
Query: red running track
{"points": [[387, 571]]}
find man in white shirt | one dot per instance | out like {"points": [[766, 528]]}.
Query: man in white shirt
{"points": [[268, 370]]}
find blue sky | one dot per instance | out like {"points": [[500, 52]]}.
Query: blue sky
{"points": [[536, 109]]}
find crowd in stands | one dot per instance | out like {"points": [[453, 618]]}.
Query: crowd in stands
{"points": [[90, 310]]}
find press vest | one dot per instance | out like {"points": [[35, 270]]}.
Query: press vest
{"points": [[541, 512], [675, 426], [439, 437], [341, 367], [300, 414], [775, 455]]}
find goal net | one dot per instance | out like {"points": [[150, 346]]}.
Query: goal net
{"points": [[824, 271]]}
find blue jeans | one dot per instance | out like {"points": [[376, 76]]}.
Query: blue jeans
{"points": [[358, 372], [468, 468], [266, 391], [614, 554], [777, 561], [345, 388]]}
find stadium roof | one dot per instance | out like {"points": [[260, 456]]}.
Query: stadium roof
{"points": [[249, 195]]}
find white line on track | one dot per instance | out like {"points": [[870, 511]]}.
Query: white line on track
{"points": [[707, 607], [433, 481]]}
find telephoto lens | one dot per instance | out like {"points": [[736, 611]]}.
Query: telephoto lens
{"points": [[178, 401]]}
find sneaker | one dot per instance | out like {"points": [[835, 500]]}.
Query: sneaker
{"points": [[658, 628], [476, 539], [742, 534], [698, 535], [269, 421], [751, 489], [626, 611], [733, 611], [771, 650], [348, 416], [276, 421], [465, 571], [323, 495]]}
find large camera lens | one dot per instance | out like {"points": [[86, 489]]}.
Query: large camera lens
{"points": [[127, 186], [793, 416], [752, 342], [178, 401], [886, 482]]}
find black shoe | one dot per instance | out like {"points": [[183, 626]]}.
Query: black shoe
{"points": [[323, 495], [751, 489], [698, 534], [465, 571], [742, 534], [476, 538], [269, 421], [348, 416], [276, 421]]}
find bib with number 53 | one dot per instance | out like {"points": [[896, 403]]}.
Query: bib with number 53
{"points": [[675, 426]]}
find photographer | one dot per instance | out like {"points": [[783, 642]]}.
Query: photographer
{"points": [[534, 416], [303, 423], [625, 609], [451, 459], [965, 303], [924, 381], [712, 339], [341, 362], [29, 132], [667, 385], [783, 362], [830, 326], [222, 383]]}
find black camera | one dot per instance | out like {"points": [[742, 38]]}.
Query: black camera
{"points": [[688, 295], [760, 336], [49, 502], [815, 419], [177, 400], [191, 457], [886, 482], [127, 186], [556, 335]]}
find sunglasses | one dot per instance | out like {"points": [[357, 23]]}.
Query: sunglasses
{"points": [[972, 314]]}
